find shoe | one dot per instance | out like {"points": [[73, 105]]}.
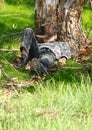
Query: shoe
{"points": [[23, 60], [19, 62], [35, 67], [23, 63]]}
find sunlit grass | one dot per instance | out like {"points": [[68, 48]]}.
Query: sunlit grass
{"points": [[13, 19], [86, 20], [50, 106], [63, 101]]}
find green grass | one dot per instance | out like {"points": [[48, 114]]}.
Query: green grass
{"points": [[51, 106], [13, 19], [63, 101], [86, 20]]}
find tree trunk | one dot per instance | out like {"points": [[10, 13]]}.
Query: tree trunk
{"points": [[90, 2], [66, 15]]}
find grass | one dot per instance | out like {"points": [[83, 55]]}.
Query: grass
{"points": [[51, 106], [86, 20], [13, 19], [63, 101]]}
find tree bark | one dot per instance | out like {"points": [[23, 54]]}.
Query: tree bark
{"points": [[90, 2], [66, 15]]}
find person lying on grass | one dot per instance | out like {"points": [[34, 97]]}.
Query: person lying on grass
{"points": [[42, 55]]}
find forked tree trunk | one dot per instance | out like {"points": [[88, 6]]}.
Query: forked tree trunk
{"points": [[66, 15]]}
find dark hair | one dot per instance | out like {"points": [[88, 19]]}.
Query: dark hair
{"points": [[47, 30]]}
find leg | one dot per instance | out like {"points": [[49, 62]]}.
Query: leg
{"points": [[29, 48], [28, 42], [46, 59], [40, 66]]}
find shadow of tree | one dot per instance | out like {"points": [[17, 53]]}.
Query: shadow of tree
{"points": [[87, 6], [69, 75]]}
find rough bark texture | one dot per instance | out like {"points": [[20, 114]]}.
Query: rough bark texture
{"points": [[90, 1], [66, 15]]}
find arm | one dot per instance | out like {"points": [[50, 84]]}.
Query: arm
{"points": [[65, 53], [65, 50], [62, 60]]}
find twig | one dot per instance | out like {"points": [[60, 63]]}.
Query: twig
{"points": [[9, 63], [9, 78], [48, 113], [9, 50]]}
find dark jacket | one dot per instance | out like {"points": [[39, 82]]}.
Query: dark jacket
{"points": [[60, 49]]}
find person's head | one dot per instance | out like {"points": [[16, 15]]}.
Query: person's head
{"points": [[48, 32]]}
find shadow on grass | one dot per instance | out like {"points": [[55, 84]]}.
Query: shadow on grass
{"points": [[87, 6], [69, 75], [21, 2]]}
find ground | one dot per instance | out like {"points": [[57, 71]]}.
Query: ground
{"points": [[63, 101]]}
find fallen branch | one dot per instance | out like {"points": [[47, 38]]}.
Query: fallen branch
{"points": [[14, 84], [50, 114]]}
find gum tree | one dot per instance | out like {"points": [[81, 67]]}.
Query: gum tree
{"points": [[66, 15]]}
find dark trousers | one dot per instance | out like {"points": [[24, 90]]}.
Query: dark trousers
{"points": [[45, 56]]}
